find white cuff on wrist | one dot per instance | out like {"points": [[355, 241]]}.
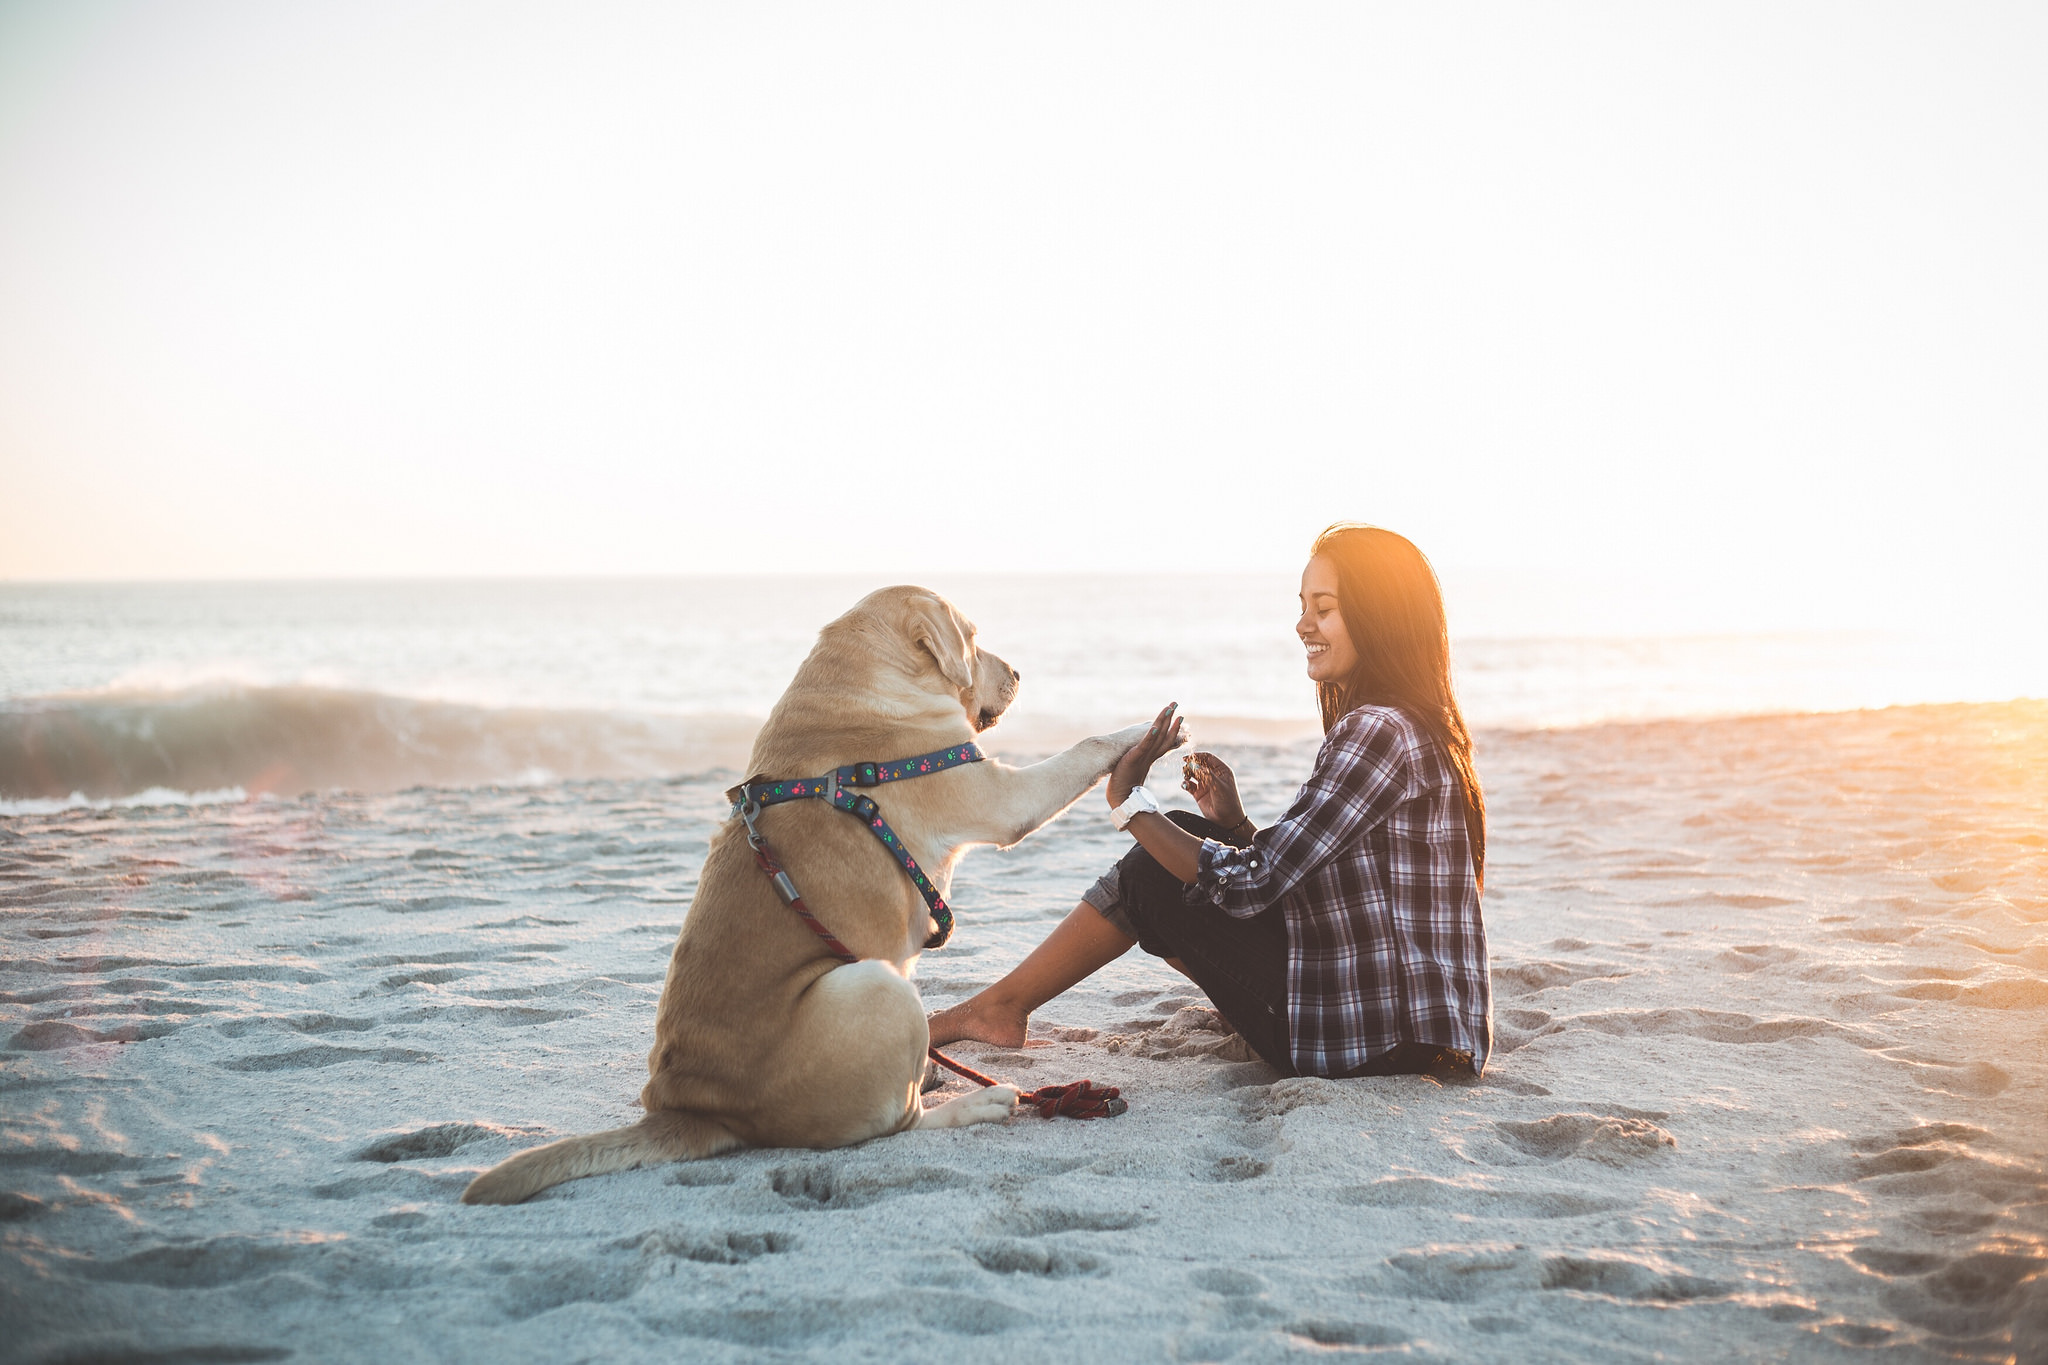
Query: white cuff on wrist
{"points": [[1137, 802]]}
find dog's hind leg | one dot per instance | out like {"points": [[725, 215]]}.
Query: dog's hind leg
{"points": [[851, 1063], [662, 1136]]}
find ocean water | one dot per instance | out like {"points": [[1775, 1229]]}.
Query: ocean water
{"points": [[167, 692]]}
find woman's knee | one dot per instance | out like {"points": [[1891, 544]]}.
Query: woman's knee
{"points": [[1198, 825]]}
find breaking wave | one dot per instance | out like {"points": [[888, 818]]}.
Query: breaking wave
{"points": [[288, 739]]}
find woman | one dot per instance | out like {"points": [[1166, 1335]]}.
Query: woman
{"points": [[1346, 939]]}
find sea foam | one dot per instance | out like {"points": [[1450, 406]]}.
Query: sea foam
{"points": [[196, 743]]}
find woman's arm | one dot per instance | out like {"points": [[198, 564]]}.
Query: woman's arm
{"points": [[1365, 769], [1175, 849]]}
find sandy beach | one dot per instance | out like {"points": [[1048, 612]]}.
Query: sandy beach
{"points": [[1770, 1082]]}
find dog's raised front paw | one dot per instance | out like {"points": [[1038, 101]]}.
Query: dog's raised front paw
{"points": [[1123, 739]]}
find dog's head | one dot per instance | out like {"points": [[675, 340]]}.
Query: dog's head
{"points": [[938, 649]]}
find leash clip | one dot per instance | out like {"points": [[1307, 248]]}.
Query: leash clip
{"points": [[747, 810]]}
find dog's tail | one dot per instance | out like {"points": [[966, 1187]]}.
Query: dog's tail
{"points": [[666, 1136]]}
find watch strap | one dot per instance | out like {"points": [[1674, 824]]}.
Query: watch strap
{"points": [[1138, 802]]}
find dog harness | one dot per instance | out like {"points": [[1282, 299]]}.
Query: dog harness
{"points": [[840, 789]]}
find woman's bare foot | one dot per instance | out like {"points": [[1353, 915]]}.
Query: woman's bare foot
{"points": [[982, 1019]]}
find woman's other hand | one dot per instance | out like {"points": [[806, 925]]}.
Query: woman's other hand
{"points": [[1209, 780], [1130, 770]]}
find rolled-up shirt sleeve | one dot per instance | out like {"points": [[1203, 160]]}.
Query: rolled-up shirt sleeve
{"points": [[1364, 770]]}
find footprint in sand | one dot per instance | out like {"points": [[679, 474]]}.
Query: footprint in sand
{"points": [[1043, 1222], [442, 1139], [1235, 1167], [1609, 1140], [1938, 1161], [1995, 1292], [205, 1264], [1242, 1151], [1245, 1151], [1286, 1096], [1994, 1295], [712, 1248], [1919, 1148], [1008, 1257], [824, 1186], [1615, 1278], [583, 1279], [1322, 1335], [1460, 1274]]}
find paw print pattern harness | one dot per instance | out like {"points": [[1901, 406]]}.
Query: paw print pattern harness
{"points": [[841, 790]]}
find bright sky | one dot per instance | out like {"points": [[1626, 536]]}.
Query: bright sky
{"points": [[1749, 299]]}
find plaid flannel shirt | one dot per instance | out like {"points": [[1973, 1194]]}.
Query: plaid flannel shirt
{"points": [[1372, 871]]}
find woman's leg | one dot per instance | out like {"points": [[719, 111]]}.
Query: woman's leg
{"points": [[1083, 944], [1240, 964]]}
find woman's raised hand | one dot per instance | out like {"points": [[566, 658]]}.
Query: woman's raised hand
{"points": [[1214, 787], [1130, 770]]}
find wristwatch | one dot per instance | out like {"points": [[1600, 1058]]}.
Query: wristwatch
{"points": [[1138, 801]]}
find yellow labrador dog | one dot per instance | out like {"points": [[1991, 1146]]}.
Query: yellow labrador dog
{"points": [[763, 1038]]}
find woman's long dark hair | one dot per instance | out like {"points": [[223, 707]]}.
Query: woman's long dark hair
{"points": [[1393, 610]]}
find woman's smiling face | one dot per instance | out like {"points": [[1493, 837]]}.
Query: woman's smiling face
{"points": [[1331, 656]]}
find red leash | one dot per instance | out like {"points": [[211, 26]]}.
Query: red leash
{"points": [[1073, 1099]]}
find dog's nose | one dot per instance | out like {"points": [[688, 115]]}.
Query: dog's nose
{"points": [[1015, 676]]}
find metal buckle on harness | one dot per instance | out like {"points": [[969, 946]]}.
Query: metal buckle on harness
{"points": [[784, 885]]}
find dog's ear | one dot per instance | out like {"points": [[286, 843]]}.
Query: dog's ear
{"points": [[937, 628]]}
